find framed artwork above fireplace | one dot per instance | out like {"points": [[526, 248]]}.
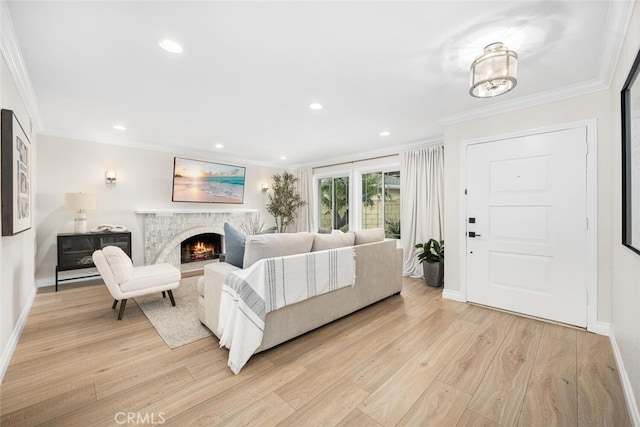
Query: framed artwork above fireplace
{"points": [[199, 181]]}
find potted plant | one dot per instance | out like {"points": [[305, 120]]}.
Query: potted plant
{"points": [[284, 200], [432, 259]]}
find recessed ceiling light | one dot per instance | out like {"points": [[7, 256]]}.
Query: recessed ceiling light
{"points": [[219, 146], [385, 133], [119, 127], [170, 46], [315, 106], [283, 157]]}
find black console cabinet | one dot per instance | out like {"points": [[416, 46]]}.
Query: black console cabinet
{"points": [[74, 250]]}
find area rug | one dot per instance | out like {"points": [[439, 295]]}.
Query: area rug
{"points": [[177, 325]]}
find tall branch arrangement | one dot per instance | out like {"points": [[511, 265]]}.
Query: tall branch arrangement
{"points": [[284, 200]]}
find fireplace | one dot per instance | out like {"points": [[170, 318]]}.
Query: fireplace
{"points": [[201, 247], [165, 229]]}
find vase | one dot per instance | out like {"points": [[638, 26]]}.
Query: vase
{"points": [[433, 273]]}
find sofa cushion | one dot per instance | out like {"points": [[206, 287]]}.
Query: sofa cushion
{"points": [[274, 245], [370, 235], [120, 264], [234, 242], [323, 242]]}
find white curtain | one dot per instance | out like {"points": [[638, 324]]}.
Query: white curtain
{"points": [[422, 190], [304, 220]]}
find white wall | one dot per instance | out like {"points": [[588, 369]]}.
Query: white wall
{"points": [[585, 107], [17, 288], [144, 180], [625, 293]]}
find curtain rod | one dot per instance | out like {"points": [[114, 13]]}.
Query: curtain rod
{"points": [[356, 161]]}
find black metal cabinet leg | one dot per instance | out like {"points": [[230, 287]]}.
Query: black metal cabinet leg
{"points": [[56, 278]]}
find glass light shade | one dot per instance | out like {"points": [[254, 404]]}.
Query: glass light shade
{"points": [[494, 72], [110, 176]]}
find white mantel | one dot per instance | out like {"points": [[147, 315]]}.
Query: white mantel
{"points": [[165, 229], [193, 211]]}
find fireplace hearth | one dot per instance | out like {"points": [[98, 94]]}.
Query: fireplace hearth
{"points": [[201, 247]]}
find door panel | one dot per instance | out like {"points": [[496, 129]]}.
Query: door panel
{"points": [[519, 223], [528, 198]]}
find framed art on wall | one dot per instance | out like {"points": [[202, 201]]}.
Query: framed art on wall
{"points": [[630, 97], [207, 182], [16, 175]]}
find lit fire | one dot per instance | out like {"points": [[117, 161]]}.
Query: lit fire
{"points": [[200, 251]]}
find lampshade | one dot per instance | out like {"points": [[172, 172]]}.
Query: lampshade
{"points": [[79, 201], [494, 72]]}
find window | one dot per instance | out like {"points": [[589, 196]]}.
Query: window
{"points": [[334, 203], [381, 202]]}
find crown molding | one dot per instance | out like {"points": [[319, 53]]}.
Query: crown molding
{"points": [[526, 101], [392, 150], [12, 55], [618, 21], [173, 150]]}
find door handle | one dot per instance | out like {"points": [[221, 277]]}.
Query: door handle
{"points": [[473, 234]]}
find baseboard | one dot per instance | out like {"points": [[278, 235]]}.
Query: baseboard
{"points": [[634, 413], [15, 335], [51, 281], [47, 281], [600, 328], [453, 295]]}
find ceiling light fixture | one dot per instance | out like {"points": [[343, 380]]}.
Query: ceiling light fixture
{"points": [[315, 106], [385, 133], [219, 146], [170, 46], [283, 157], [494, 72], [119, 127]]}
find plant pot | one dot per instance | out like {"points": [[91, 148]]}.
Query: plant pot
{"points": [[433, 273]]}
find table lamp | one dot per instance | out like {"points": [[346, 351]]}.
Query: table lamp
{"points": [[80, 202]]}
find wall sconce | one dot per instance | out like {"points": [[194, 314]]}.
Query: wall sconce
{"points": [[110, 176], [264, 187]]}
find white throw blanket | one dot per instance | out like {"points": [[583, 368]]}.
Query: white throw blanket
{"points": [[272, 283]]}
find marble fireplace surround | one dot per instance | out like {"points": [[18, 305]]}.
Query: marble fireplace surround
{"points": [[165, 229]]}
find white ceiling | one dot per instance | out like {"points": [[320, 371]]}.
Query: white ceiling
{"points": [[250, 69]]}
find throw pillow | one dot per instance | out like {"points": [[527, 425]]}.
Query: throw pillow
{"points": [[270, 230], [323, 242], [370, 235], [234, 242], [275, 245]]}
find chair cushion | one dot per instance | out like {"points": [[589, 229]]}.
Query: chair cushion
{"points": [[120, 264], [322, 242], [370, 235], [275, 245], [155, 277]]}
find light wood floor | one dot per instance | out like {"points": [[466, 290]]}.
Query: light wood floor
{"points": [[413, 360]]}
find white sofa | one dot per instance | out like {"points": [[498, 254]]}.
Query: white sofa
{"points": [[378, 276]]}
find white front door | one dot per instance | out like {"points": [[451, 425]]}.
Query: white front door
{"points": [[526, 206]]}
